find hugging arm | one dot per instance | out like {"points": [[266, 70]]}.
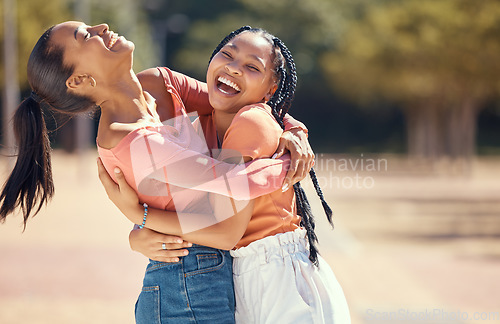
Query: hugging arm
{"points": [[147, 242], [223, 235], [157, 160]]}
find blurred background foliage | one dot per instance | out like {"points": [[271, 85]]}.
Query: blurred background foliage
{"points": [[436, 60], [385, 76]]}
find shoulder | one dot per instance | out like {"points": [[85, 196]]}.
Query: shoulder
{"points": [[157, 78], [154, 82], [257, 116], [254, 132], [151, 79]]}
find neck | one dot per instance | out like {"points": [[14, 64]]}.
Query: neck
{"points": [[222, 122], [125, 101]]}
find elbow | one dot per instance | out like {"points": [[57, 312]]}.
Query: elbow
{"points": [[228, 237]]}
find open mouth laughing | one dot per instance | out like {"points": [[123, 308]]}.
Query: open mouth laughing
{"points": [[227, 86], [112, 40]]}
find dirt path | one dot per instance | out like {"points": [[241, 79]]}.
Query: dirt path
{"points": [[406, 247]]}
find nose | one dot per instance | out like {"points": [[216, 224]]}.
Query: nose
{"points": [[233, 68], [100, 29]]}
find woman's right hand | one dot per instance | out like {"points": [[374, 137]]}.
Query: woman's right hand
{"points": [[150, 244], [121, 194]]}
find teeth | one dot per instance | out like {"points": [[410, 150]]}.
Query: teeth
{"points": [[229, 83], [112, 40]]}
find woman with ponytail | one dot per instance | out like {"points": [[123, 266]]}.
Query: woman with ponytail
{"points": [[30, 183], [278, 275], [75, 68]]}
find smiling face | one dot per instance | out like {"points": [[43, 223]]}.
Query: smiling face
{"points": [[93, 50], [242, 73]]}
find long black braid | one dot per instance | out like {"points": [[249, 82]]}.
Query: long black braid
{"points": [[280, 103]]}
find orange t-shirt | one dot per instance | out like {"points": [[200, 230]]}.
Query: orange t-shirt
{"points": [[255, 133]]}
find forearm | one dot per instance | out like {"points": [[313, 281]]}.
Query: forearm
{"points": [[190, 169], [162, 221], [225, 234], [221, 235], [242, 182]]}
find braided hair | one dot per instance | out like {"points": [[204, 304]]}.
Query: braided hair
{"points": [[280, 102]]}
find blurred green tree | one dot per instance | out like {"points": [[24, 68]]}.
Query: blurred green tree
{"points": [[311, 29], [438, 60]]}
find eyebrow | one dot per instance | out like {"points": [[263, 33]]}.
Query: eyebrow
{"points": [[233, 46]]}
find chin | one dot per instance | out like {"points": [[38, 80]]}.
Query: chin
{"points": [[130, 47], [219, 107], [216, 105]]}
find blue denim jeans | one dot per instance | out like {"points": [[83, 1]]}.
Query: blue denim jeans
{"points": [[197, 289]]}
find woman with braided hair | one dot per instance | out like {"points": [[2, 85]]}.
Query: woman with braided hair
{"points": [[278, 275]]}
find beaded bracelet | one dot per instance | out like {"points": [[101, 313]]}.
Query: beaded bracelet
{"points": [[145, 214]]}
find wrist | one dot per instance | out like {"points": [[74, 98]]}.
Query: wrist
{"points": [[134, 213], [145, 214], [297, 129], [131, 237]]}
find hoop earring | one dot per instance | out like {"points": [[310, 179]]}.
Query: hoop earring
{"points": [[93, 83]]}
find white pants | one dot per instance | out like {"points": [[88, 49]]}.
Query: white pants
{"points": [[275, 282]]}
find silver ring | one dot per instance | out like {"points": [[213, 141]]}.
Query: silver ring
{"points": [[163, 246]]}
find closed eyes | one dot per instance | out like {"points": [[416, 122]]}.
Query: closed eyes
{"points": [[253, 68]]}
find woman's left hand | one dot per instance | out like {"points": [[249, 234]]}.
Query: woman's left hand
{"points": [[157, 246], [302, 156]]}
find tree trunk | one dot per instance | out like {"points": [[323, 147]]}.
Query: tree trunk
{"points": [[425, 138], [461, 131], [443, 135]]}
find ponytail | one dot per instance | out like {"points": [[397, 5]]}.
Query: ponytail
{"points": [[30, 183]]}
